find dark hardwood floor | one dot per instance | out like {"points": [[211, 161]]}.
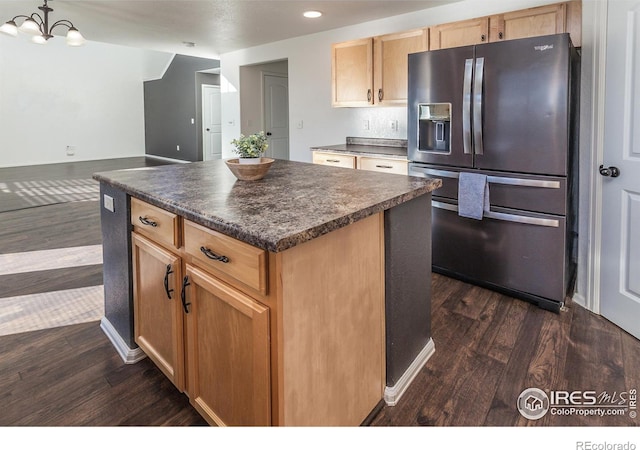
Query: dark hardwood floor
{"points": [[489, 348]]}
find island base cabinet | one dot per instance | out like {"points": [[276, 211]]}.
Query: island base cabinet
{"points": [[228, 358], [158, 325]]}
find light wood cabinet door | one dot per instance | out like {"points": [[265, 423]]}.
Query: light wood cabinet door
{"points": [[539, 21], [228, 352], [158, 325], [390, 63], [352, 73], [458, 34]]}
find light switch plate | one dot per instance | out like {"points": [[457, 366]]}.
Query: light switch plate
{"points": [[108, 203]]}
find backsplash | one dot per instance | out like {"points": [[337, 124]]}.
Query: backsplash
{"points": [[381, 122]]}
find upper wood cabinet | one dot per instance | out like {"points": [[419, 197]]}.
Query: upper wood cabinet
{"points": [[374, 71], [352, 73], [550, 19], [458, 34], [390, 64]]}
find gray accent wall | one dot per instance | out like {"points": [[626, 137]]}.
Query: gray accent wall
{"points": [[407, 283], [116, 268], [171, 103]]}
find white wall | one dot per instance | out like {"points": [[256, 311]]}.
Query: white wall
{"points": [[309, 60], [90, 97]]}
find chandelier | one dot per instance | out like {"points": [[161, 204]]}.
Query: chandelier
{"points": [[38, 26]]}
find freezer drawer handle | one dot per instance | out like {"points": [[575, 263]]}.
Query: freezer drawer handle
{"points": [[466, 106], [504, 216], [477, 106], [491, 179]]}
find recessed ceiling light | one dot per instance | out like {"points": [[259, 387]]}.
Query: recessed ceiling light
{"points": [[312, 14]]}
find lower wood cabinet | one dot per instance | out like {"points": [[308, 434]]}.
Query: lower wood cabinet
{"points": [[334, 159], [299, 342], [158, 324], [377, 164], [228, 352]]}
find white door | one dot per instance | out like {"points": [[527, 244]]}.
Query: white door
{"points": [[211, 123], [276, 115], [620, 252]]}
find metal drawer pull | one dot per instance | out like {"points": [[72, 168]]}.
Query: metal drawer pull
{"points": [[185, 305], [492, 179], [384, 167], [209, 254], [166, 281], [333, 160], [503, 216], [146, 221]]}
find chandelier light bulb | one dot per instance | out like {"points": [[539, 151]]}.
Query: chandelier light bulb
{"points": [[74, 38], [9, 28], [30, 26], [39, 39]]}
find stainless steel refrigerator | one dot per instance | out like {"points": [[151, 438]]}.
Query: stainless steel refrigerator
{"points": [[507, 110]]}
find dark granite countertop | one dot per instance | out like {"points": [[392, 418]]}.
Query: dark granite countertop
{"points": [[294, 203], [388, 148]]}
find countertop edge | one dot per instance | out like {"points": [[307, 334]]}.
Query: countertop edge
{"points": [[276, 245]]}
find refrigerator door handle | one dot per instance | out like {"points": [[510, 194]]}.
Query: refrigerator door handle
{"points": [[466, 106], [477, 106], [504, 216], [548, 184]]}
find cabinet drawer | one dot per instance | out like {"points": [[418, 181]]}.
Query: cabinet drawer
{"points": [[384, 165], [333, 159], [158, 224], [225, 255]]}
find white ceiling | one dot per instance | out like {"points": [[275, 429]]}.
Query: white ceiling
{"points": [[215, 26]]}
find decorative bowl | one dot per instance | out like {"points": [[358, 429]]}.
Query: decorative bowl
{"points": [[249, 172]]}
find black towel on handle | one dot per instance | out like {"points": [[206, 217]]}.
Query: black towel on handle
{"points": [[473, 195]]}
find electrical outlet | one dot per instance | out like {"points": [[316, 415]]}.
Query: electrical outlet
{"points": [[393, 125], [193, 121], [177, 147], [71, 150], [108, 203], [365, 125], [299, 124]]}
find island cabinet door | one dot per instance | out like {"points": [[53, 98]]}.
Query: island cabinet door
{"points": [[227, 352], [158, 321]]}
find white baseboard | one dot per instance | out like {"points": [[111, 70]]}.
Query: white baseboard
{"points": [[128, 355], [164, 158], [392, 394]]}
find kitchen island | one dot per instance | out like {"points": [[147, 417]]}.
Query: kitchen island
{"points": [[299, 299]]}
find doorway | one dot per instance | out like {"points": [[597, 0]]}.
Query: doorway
{"points": [[618, 174], [211, 123], [264, 104], [276, 114]]}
